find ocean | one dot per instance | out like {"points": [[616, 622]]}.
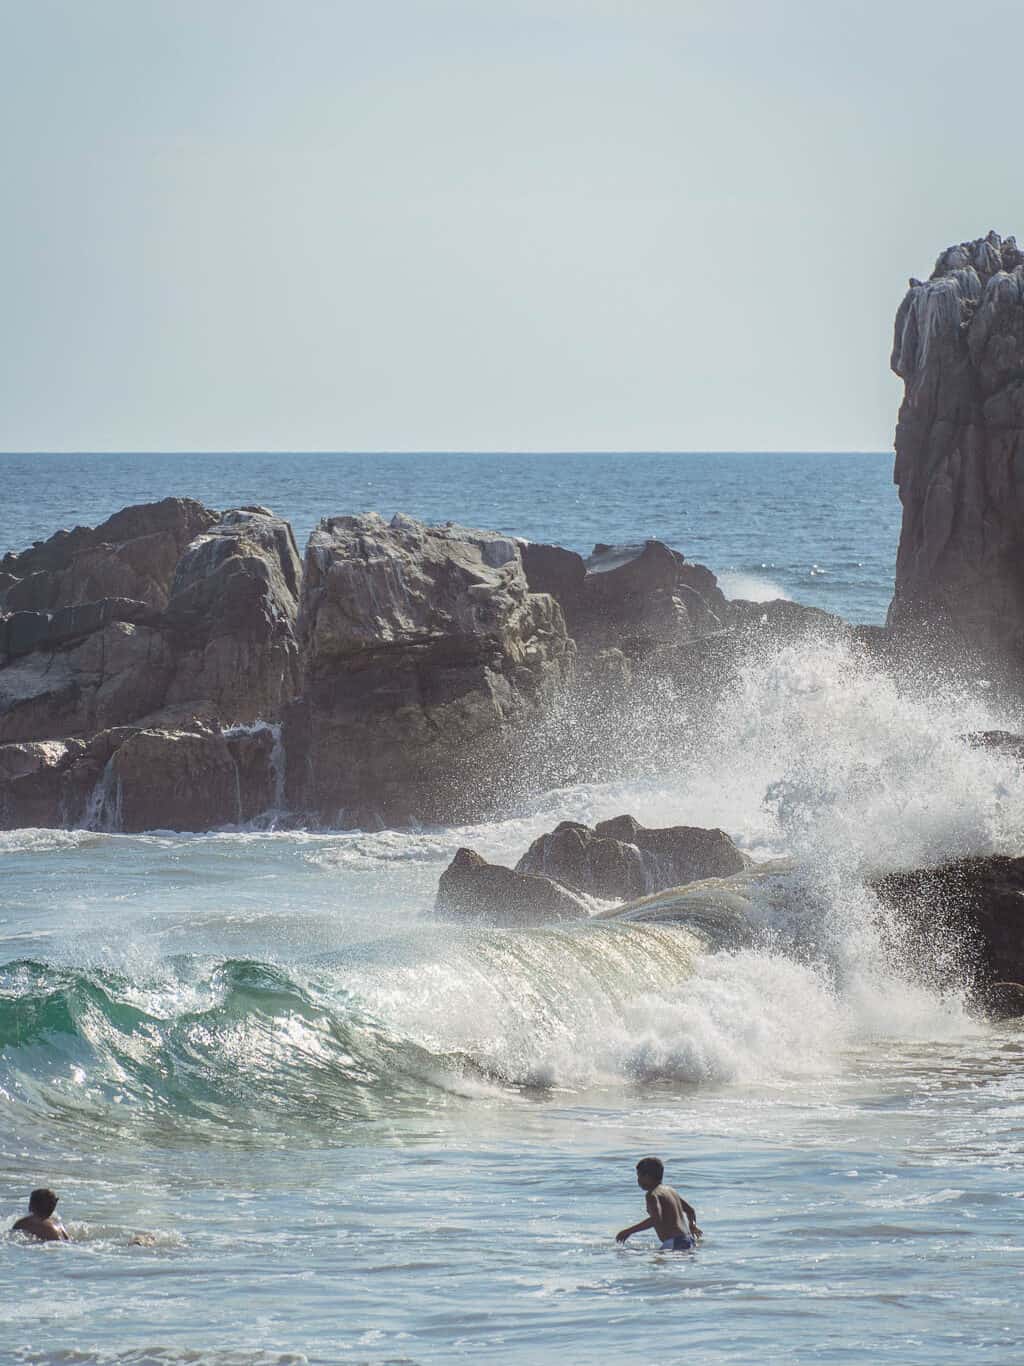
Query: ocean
{"points": [[294, 1118]]}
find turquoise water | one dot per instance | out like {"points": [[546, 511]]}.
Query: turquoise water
{"points": [[349, 1133], [818, 528]]}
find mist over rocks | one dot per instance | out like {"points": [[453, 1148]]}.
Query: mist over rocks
{"points": [[408, 672], [959, 348], [979, 901]]}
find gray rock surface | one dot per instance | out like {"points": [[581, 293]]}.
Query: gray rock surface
{"points": [[215, 633], [133, 554], [629, 598], [620, 859], [426, 656], [233, 610], [959, 348], [473, 889]]}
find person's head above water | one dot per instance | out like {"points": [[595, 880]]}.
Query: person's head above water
{"points": [[649, 1173], [42, 1202]]}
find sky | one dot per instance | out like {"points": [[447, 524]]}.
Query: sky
{"points": [[483, 224]]}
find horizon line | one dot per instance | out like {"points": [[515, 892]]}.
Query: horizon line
{"points": [[462, 451]]}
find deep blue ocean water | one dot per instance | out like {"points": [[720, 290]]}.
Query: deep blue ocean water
{"points": [[821, 529], [293, 1118]]}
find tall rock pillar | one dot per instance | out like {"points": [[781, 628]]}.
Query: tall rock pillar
{"points": [[959, 348]]}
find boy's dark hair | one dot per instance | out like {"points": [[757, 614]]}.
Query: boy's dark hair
{"points": [[42, 1202], [651, 1168]]}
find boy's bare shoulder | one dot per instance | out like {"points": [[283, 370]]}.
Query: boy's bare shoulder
{"points": [[40, 1228]]}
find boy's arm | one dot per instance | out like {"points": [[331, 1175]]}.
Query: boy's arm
{"points": [[635, 1228], [653, 1210], [691, 1214]]}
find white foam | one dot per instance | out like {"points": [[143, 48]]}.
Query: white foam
{"points": [[747, 587]]}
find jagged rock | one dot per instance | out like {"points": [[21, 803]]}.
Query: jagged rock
{"points": [[471, 888], [619, 859], [225, 645], [130, 779], [131, 555], [115, 675], [979, 900], [233, 609], [959, 348], [426, 656], [32, 782], [174, 780], [627, 597], [783, 620]]}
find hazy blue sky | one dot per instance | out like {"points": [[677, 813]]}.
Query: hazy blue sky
{"points": [[483, 224]]}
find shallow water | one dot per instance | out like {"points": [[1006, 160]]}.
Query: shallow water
{"points": [[351, 1133]]}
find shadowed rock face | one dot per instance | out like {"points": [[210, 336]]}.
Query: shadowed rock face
{"points": [[425, 656], [634, 598], [981, 900], [959, 348]]}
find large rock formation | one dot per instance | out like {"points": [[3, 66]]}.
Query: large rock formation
{"points": [[620, 859], [959, 348], [426, 657], [473, 889]]}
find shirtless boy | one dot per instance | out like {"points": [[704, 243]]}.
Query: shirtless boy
{"points": [[673, 1220], [39, 1220]]}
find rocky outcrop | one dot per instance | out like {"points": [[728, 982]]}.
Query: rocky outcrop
{"points": [[215, 633], [633, 599], [620, 859], [959, 348], [473, 889], [426, 657], [130, 779], [974, 906], [233, 608], [133, 554]]}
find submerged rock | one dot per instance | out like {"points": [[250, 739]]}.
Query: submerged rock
{"points": [[959, 348], [471, 888], [621, 859], [426, 657]]}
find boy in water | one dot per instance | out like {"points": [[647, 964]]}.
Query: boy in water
{"points": [[673, 1220], [39, 1220]]}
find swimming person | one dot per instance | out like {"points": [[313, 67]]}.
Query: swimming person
{"points": [[39, 1221], [673, 1220]]}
